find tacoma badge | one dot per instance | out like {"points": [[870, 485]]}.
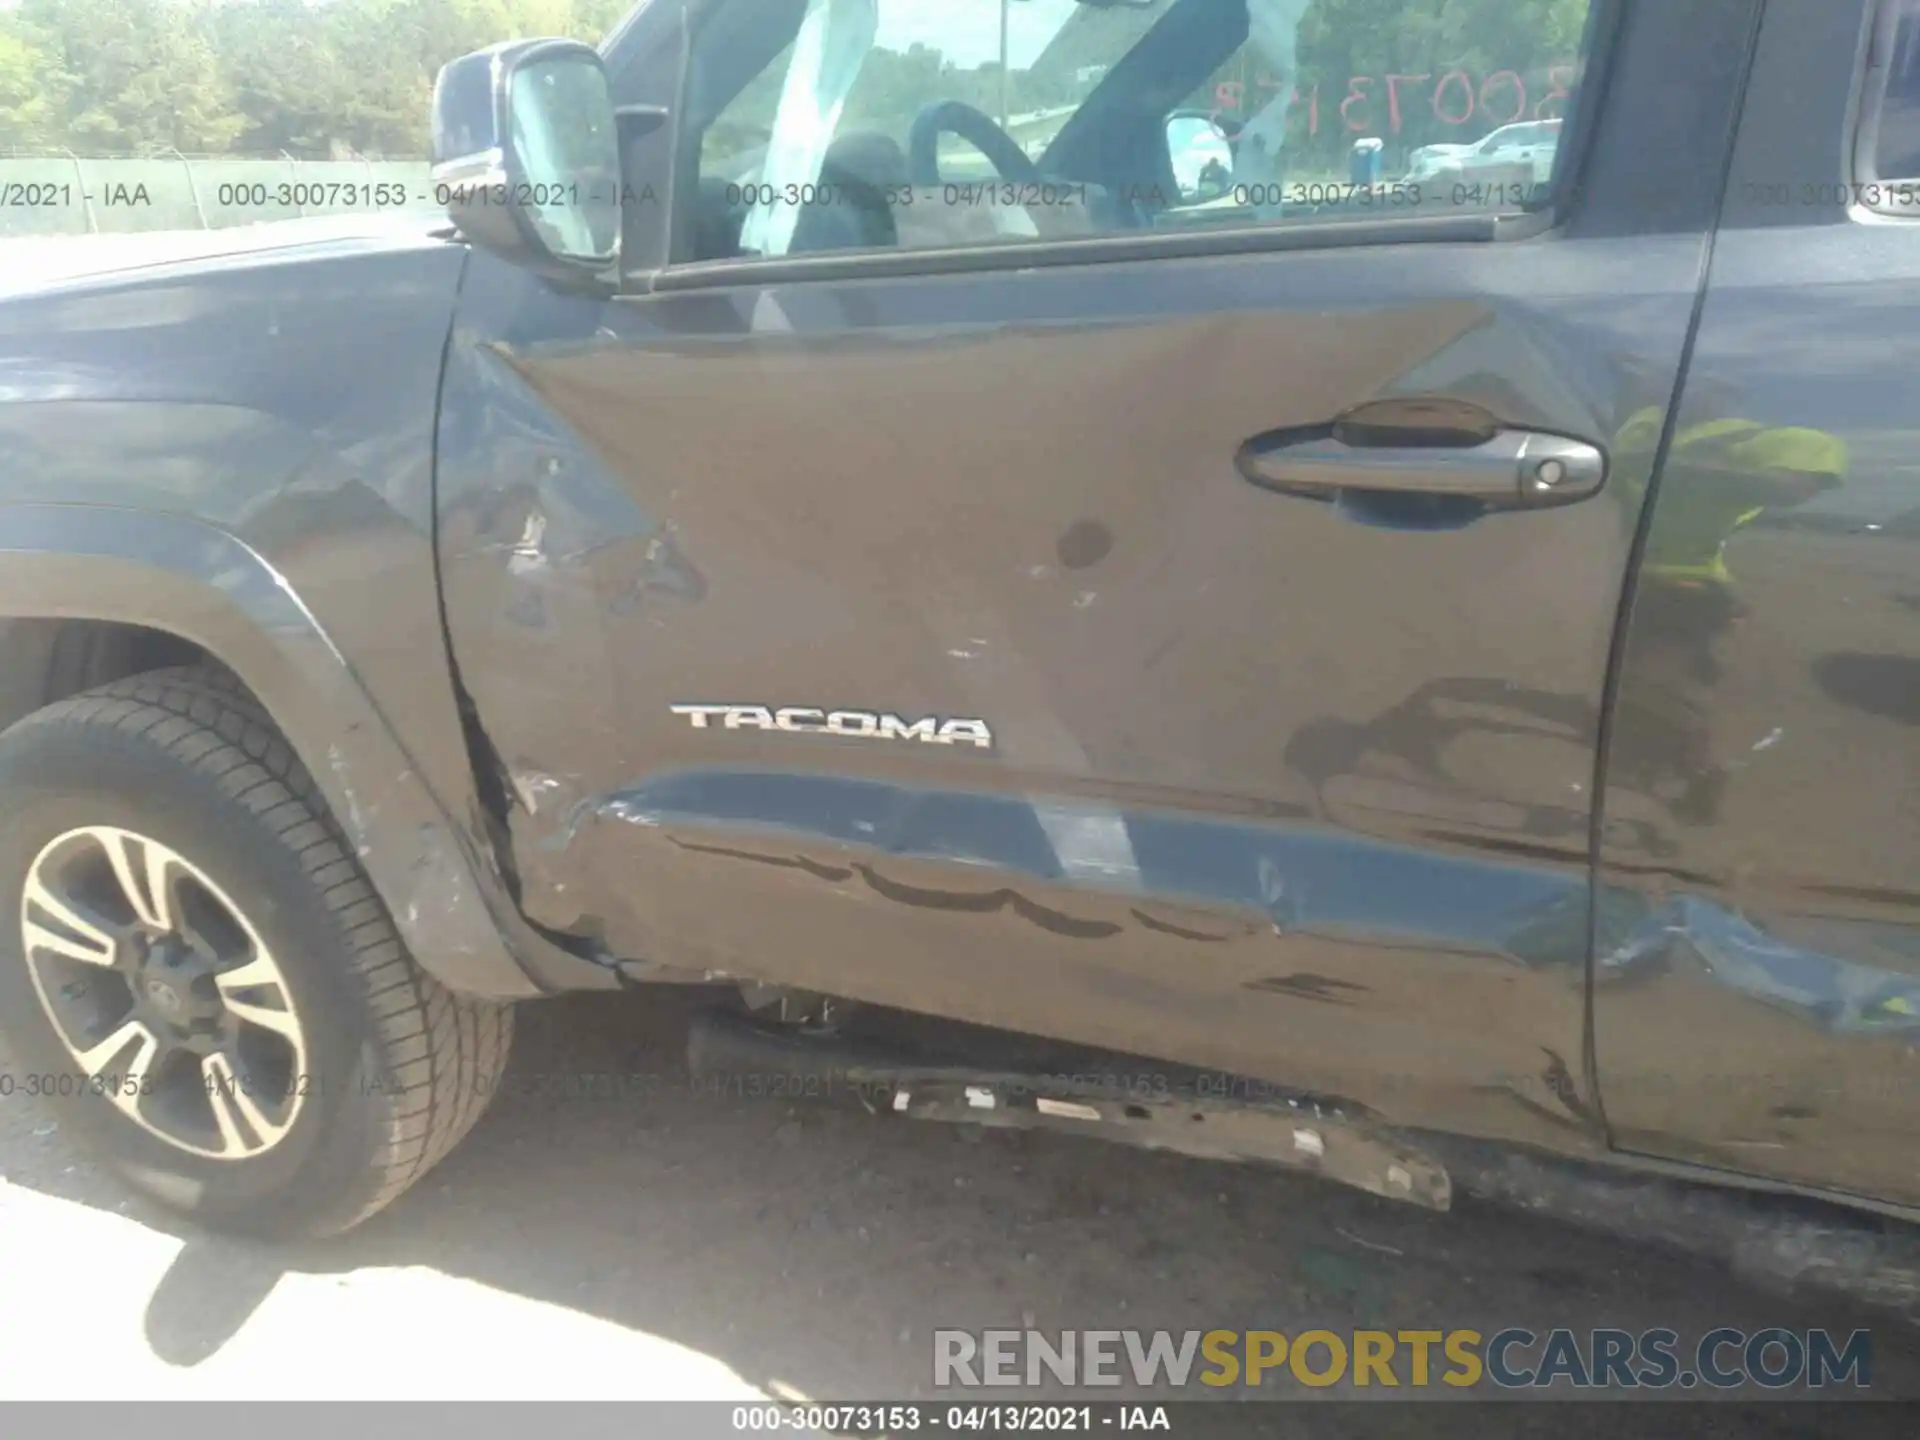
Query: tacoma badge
{"points": [[857, 724]]}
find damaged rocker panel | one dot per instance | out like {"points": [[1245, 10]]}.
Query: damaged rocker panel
{"points": [[1292, 1129]]}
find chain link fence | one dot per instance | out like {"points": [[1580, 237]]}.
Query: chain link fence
{"points": [[61, 193]]}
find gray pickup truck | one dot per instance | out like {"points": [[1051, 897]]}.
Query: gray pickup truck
{"points": [[1305, 673]]}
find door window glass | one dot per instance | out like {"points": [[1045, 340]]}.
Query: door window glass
{"points": [[1896, 144], [902, 123]]}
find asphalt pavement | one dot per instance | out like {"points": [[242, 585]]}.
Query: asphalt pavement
{"points": [[597, 1239]]}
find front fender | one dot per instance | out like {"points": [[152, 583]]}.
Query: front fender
{"points": [[172, 572]]}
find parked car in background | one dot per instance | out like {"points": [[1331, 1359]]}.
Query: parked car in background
{"points": [[1532, 144]]}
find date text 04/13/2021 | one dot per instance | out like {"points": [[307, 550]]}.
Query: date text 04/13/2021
{"points": [[908, 1417]]}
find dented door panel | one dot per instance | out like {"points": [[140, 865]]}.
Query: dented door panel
{"points": [[1269, 784], [1757, 988], [1269, 788]]}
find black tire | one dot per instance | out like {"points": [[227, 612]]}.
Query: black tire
{"points": [[401, 1067]]}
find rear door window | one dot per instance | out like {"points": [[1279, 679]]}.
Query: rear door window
{"points": [[1438, 98]]}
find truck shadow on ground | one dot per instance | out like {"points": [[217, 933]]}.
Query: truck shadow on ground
{"points": [[814, 1246]]}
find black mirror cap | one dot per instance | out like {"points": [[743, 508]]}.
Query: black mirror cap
{"points": [[477, 175]]}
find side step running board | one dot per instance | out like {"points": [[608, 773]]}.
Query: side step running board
{"points": [[1789, 1244], [1299, 1133]]}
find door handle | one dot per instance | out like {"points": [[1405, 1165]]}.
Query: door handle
{"points": [[1515, 470]]}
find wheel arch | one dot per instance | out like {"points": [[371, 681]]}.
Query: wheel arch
{"points": [[91, 594], [44, 659]]}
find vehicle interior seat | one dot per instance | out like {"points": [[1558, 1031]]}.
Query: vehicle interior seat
{"points": [[857, 174]]}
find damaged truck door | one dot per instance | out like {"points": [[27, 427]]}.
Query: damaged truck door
{"points": [[941, 568]]}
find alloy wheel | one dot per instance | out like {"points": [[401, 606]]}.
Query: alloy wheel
{"points": [[162, 990]]}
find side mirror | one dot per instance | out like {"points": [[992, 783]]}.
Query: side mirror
{"points": [[1201, 155], [526, 156]]}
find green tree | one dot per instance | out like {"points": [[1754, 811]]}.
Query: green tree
{"points": [[133, 76], [30, 104], [1412, 72], [356, 76], [287, 83], [250, 76]]}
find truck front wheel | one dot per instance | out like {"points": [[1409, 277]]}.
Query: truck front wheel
{"points": [[196, 974]]}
